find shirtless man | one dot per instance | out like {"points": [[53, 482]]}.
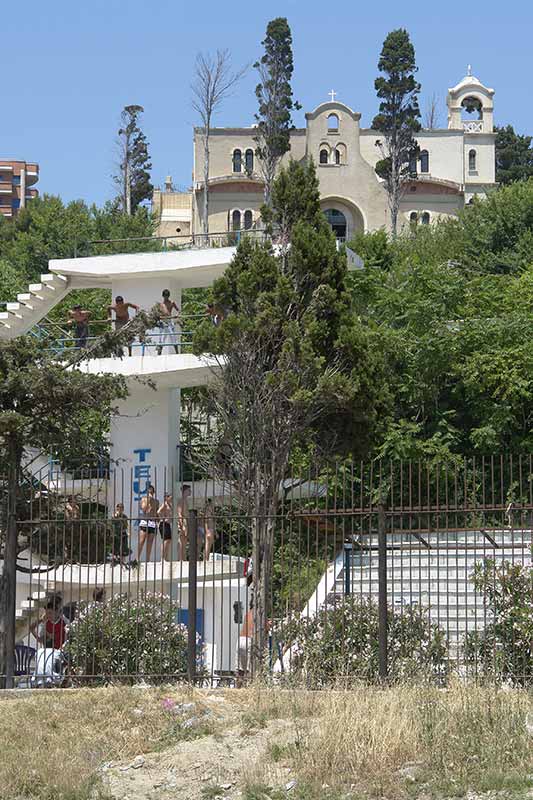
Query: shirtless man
{"points": [[168, 329], [80, 319], [122, 316], [121, 309], [148, 523], [164, 512], [182, 510]]}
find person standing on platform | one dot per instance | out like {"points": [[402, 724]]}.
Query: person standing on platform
{"points": [[148, 523], [164, 512], [122, 315], [80, 320], [182, 510], [169, 336]]}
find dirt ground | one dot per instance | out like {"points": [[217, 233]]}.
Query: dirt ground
{"points": [[215, 762]]}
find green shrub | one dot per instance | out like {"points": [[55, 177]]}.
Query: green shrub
{"points": [[504, 648], [128, 637], [341, 644]]}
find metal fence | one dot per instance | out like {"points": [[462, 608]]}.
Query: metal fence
{"points": [[379, 571], [150, 244]]}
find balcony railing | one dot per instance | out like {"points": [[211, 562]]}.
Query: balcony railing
{"points": [[150, 244], [474, 126]]}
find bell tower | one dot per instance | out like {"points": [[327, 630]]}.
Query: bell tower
{"points": [[471, 106]]}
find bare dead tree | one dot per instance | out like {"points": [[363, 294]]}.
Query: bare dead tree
{"points": [[214, 80], [432, 113], [258, 423]]}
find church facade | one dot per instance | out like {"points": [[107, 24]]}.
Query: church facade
{"points": [[454, 165]]}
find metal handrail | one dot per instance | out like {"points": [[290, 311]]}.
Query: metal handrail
{"points": [[182, 238]]}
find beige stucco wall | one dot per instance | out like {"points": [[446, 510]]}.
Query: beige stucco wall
{"points": [[352, 186], [224, 141]]}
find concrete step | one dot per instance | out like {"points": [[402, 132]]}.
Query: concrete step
{"points": [[31, 306]]}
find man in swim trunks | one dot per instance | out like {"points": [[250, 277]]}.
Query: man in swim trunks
{"points": [[164, 513]]}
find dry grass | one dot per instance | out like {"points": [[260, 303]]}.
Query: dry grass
{"points": [[53, 742], [402, 742], [407, 741]]}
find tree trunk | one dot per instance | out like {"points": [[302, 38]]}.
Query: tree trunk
{"points": [[206, 183], [9, 576], [128, 186], [262, 553]]}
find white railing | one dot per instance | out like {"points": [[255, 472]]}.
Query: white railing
{"points": [[474, 126]]}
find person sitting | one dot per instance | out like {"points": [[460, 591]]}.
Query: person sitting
{"points": [[99, 595], [52, 630]]}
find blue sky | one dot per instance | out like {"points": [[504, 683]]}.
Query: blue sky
{"points": [[70, 67]]}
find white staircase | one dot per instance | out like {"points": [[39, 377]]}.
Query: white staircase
{"points": [[28, 612], [437, 576], [33, 305]]}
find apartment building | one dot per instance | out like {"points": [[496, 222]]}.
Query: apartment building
{"points": [[16, 180]]}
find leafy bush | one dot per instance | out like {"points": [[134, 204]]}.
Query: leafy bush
{"points": [[128, 636], [341, 642], [504, 648]]}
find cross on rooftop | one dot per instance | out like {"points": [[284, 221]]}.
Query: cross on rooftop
{"points": [[469, 70], [333, 95]]}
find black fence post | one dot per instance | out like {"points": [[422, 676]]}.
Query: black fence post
{"points": [[382, 590], [9, 578], [193, 590]]}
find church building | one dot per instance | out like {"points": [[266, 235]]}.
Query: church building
{"points": [[454, 165]]}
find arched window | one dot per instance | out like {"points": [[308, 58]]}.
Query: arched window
{"points": [[340, 154], [237, 161], [472, 161], [249, 160], [413, 168], [425, 218], [236, 220], [323, 158], [248, 220], [424, 161], [413, 219], [333, 122], [337, 220]]}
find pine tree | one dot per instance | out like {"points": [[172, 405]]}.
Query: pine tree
{"points": [[274, 95], [133, 178], [398, 118], [514, 155]]}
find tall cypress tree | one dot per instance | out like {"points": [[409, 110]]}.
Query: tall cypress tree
{"points": [[133, 178], [398, 118], [297, 369], [274, 95]]}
